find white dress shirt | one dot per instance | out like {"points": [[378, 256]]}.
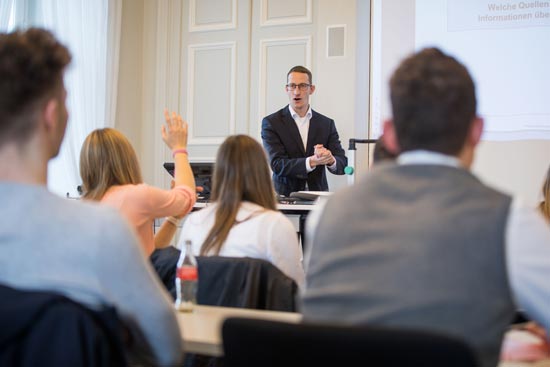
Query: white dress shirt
{"points": [[259, 233], [527, 245], [303, 127]]}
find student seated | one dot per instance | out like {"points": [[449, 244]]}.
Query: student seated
{"points": [[423, 243], [82, 250], [243, 219], [110, 173]]}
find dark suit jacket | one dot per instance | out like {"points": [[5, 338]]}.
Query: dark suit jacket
{"points": [[39, 328], [287, 157]]}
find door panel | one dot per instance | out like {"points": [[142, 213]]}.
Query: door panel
{"points": [[214, 72]]}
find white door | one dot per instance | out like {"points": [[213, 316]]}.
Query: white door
{"points": [[224, 64]]}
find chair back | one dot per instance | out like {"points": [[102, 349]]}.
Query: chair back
{"points": [[47, 329], [254, 342], [242, 282], [164, 262]]}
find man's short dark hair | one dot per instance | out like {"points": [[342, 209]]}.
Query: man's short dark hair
{"points": [[433, 102], [31, 71], [301, 69]]}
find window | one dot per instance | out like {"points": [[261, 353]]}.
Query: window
{"points": [[91, 30]]}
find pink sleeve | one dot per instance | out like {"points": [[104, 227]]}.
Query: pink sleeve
{"points": [[178, 201]]}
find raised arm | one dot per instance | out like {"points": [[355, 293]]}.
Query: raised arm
{"points": [[174, 134]]}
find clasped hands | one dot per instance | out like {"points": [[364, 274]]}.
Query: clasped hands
{"points": [[321, 156]]}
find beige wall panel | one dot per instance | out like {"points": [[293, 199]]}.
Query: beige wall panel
{"points": [[515, 167], [278, 56], [211, 92], [209, 15], [281, 12], [129, 114]]}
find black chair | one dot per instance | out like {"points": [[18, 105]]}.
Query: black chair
{"points": [[244, 282], [164, 262], [241, 282], [254, 342], [48, 329]]}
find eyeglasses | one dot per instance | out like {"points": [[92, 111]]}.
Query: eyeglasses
{"points": [[301, 86]]}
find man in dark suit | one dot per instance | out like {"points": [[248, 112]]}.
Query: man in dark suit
{"points": [[300, 142]]}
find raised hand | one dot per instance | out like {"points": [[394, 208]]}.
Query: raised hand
{"points": [[174, 131]]}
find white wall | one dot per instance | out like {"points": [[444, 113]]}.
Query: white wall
{"points": [[515, 167], [136, 114]]}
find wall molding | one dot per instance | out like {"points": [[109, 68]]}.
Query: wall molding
{"points": [[266, 22], [194, 27], [167, 94], [193, 48]]}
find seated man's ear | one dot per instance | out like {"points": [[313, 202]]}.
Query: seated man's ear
{"points": [[390, 137], [50, 113], [476, 130]]}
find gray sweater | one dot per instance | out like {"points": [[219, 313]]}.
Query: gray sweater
{"points": [[90, 254], [417, 246]]}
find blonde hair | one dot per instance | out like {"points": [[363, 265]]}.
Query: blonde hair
{"points": [[107, 158], [240, 174], [545, 204]]}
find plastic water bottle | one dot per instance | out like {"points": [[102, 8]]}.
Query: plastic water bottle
{"points": [[186, 280]]}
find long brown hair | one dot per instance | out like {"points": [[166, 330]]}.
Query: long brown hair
{"points": [[545, 204], [240, 174], [106, 159]]}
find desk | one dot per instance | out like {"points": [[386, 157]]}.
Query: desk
{"points": [[285, 208], [201, 329], [544, 363]]}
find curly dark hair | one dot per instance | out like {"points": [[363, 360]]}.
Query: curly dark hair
{"points": [[32, 62], [433, 102]]}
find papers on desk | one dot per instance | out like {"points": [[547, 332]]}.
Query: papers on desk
{"points": [[309, 195]]}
